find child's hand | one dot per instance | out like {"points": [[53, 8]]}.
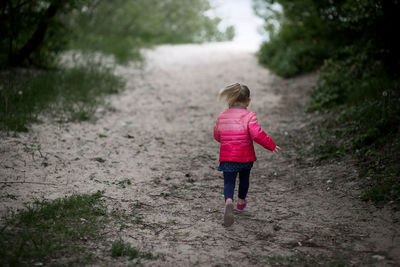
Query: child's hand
{"points": [[277, 150]]}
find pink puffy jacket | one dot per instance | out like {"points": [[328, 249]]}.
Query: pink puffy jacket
{"points": [[236, 129]]}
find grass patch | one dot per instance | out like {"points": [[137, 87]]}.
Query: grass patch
{"points": [[70, 94], [121, 248], [380, 171], [373, 140], [100, 159], [329, 145], [54, 229]]}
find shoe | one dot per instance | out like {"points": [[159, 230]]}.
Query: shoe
{"points": [[241, 206], [228, 214]]}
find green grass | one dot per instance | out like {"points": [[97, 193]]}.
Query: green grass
{"points": [[121, 248], [329, 145], [70, 94], [380, 171], [100, 159], [58, 229], [364, 132]]}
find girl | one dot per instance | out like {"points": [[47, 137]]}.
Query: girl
{"points": [[235, 129]]}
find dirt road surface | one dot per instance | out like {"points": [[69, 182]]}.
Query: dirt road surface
{"points": [[158, 135]]}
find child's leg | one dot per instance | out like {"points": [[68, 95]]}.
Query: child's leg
{"points": [[229, 184], [244, 182], [229, 188]]}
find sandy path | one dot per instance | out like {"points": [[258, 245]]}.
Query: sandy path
{"points": [[158, 134]]}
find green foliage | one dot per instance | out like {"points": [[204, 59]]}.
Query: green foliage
{"points": [[70, 95], [120, 28], [354, 42], [300, 43], [290, 57], [296, 45], [52, 229], [312, 30], [365, 98], [35, 31], [353, 75]]}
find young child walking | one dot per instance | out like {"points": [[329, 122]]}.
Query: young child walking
{"points": [[236, 129]]}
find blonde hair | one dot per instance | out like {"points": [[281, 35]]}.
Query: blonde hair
{"points": [[235, 93]]}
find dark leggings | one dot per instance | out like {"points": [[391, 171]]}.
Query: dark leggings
{"points": [[230, 180]]}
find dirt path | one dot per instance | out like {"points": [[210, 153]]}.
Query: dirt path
{"points": [[158, 135]]}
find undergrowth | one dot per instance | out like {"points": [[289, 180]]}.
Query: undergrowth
{"points": [[48, 230], [362, 107], [69, 94]]}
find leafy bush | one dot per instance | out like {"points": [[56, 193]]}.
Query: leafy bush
{"points": [[353, 75], [359, 86], [300, 43], [290, 57]]}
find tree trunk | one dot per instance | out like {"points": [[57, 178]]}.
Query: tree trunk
{"points": [[38, 36]]}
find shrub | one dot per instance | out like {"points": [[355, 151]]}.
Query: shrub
{"points": [[354, 43]]}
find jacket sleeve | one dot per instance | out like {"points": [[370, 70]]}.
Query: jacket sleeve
{"points": [[217, 136], [258, 135]]}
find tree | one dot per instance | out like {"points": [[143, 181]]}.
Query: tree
{"points": [[118, 27], [35, 31], [31, 31]]}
